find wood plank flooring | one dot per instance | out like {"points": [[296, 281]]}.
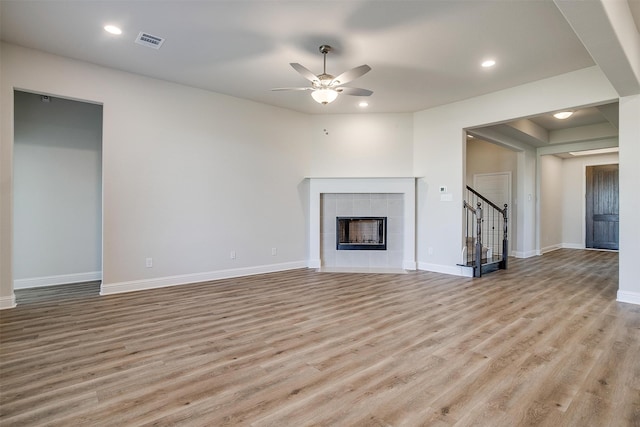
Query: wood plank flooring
{"points": [[57, 292], [542, 343]]}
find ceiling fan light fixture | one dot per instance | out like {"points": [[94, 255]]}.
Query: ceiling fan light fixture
{"points": [[324, 96], [325, 87]]}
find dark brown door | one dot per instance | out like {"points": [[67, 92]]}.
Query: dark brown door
{"points": [[602, 207]]}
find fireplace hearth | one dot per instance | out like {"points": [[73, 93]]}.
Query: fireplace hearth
{"points": [[361, 233]]}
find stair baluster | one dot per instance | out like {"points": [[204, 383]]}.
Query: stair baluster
{"points": [[482, 249]]}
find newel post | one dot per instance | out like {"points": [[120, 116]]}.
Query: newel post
{"points": [[478, 269], [505, 238]]}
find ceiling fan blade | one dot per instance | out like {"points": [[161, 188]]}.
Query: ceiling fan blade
{"points": [[352, 74], [304, 72], [355, 91], [292, 88]]}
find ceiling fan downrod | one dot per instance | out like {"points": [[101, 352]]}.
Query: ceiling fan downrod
{"points": [[324, 49]]}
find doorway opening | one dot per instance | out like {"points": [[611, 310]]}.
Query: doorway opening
{"points": [[57, 189], [492, 170]]}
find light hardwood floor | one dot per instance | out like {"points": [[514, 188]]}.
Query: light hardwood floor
{"points": [[543, 343]]}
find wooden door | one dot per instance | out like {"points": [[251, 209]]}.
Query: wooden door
{"points": [[602, 207]]}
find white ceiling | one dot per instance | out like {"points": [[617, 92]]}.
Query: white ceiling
{"points": [[422, 53]]}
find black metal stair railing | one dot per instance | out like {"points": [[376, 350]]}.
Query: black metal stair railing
{"points": [[486, 243]]}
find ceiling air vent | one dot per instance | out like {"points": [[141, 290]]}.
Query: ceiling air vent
{"points": [[148, 40]]}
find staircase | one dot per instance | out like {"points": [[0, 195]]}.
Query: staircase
{"points": [[485, 246]]}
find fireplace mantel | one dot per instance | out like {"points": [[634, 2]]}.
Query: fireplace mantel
{"points": [[395, 185]]}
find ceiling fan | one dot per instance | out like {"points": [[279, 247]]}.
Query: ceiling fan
{"points": [[325, 88]]}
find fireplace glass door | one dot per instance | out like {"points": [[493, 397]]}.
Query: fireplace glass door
{"points": [[361, 233]]}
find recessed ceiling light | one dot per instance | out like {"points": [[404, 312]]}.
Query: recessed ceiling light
{"points": [[112, 29], [563, 115], [592, 152], [488, 63], [363, 104]]}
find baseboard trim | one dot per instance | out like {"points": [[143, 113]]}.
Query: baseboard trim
{"points": [[628, 297], [185, 279], [457, 270], [8, 302], [572, 246], [63, 279], [365, 270], [550, 248], [409, 265], [527, 254], [314, 263]]}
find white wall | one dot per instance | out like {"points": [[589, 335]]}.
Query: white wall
{"points": [[485, 157], [57, 191], [362, 145], [573, 201], [551, 203], [189, 175], [629, 135]]}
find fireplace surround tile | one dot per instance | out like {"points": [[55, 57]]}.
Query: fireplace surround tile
{"points": [[379, 206], [361, 204], [393, 198]]}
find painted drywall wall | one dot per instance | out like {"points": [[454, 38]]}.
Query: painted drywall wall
{"points": [[189, 175], [7, 297], [573, 196], [629, 290], [438, 152], [485, 157], [551, 201], [362, 145], [57, 191], [527, 218]]}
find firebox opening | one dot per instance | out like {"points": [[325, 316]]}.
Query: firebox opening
{"points": [[361, 233]]}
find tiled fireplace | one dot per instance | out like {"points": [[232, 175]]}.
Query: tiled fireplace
{"points": [[383, 214]]}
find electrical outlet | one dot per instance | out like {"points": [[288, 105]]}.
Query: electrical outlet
{"points": [[148, 262], [232, 255], [274, 251], [430, 251]]}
